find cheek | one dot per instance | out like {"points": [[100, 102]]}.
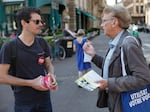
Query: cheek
{"points": [[30, 28], [35, 30], [107, 30]]}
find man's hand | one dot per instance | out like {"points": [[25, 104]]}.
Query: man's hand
{"points": [[53, 84], [89, 49], [103, 84], [37, 84], [44, 83]]}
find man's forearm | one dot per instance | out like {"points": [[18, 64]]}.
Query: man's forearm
{"points": [[12, 80], [98, 61]]}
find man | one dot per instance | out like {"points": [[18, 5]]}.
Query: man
{"points": [[32, 63], [115, 22], [133, 31]]}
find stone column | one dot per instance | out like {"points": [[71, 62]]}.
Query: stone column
{"points": [[72, 13]]}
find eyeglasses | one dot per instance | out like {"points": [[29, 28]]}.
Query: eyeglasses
{"points": [[104, 20], [37, 21]]}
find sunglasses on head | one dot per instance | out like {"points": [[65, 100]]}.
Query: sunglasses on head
{"points": [[37, 21]]}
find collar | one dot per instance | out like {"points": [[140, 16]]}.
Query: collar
{"points": [[114, 42]]}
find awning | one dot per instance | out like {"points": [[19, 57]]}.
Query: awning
{"points": [[62, 2], [31, 3], [2, 12], [38, 3], [55, 19], [78, 11], [89, 15]]}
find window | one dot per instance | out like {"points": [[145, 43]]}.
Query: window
{"points": [[137, 9], [141, 9], [10, 9]]}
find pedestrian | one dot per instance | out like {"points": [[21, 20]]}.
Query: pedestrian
{"points": [[133, 31], [83, 67], [115, 22], [26, 72]]}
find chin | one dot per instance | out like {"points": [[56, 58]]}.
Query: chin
{"points": [[105, 33], [37, 33]]}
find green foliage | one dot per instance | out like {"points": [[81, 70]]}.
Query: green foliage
{"points": [[59, 32], [3, 40], [50, 40], [93, 29]]}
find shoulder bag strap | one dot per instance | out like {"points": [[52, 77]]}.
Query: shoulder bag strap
{"points": [[124, 73]]}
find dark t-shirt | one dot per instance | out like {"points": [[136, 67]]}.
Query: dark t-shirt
{"points": [[29, 65]]}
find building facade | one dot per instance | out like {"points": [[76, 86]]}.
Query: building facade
{"points": [[139, 10], [147, 12], [83, 13], [136, 9], [57, 14]]}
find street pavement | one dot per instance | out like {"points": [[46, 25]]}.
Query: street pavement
{"points": [[146, 45], [68, 97]]}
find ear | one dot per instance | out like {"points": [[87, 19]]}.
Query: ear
{"points": [[23, 23], [115, 22]]}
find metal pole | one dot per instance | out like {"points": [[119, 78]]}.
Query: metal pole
{"points": [[53, 27], [116, 1]]}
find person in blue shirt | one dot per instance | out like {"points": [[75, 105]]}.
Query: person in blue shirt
{"points": [[31, 65], [83, 67]]}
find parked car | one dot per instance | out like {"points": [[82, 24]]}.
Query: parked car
{"points": [[148, 29], [144, 28]]}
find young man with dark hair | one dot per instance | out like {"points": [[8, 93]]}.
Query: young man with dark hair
{"points": [[32, 64]]}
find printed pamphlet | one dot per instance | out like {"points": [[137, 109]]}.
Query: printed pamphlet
{"points": [[88, 81]]}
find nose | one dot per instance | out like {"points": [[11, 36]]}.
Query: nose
{"points": [[101, 25], [41, 24]]}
